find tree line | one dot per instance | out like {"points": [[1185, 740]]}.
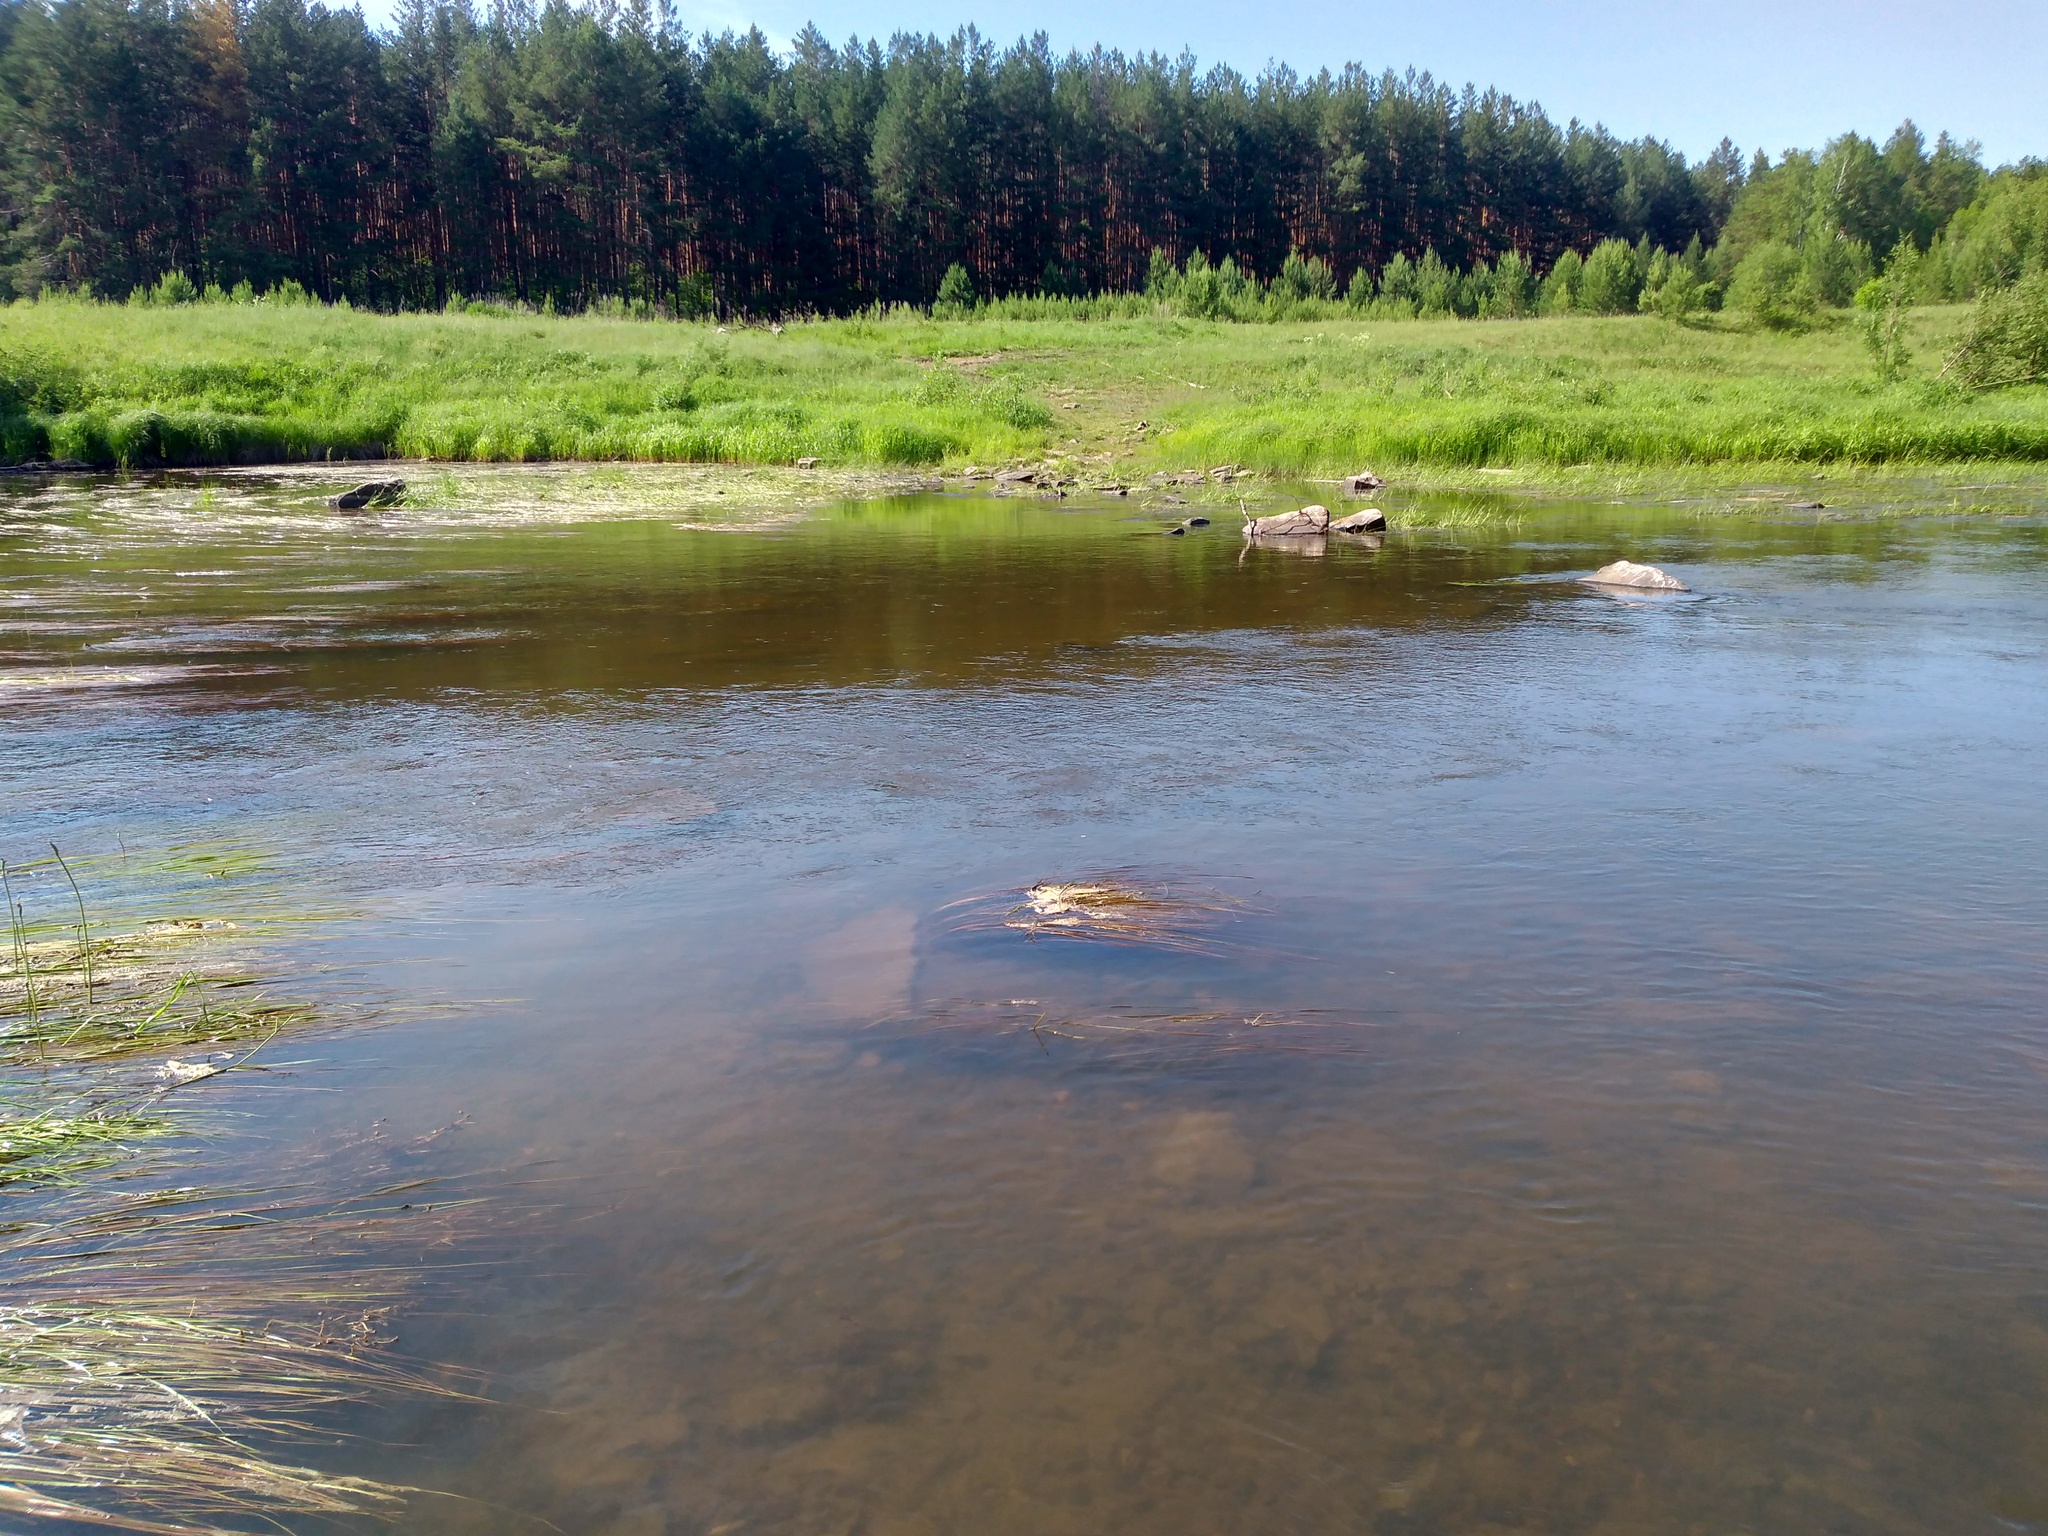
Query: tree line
{"points": [[563, 156]]}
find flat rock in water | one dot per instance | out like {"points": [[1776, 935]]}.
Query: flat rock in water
{"points": [[1371, 520], [1017, 477], [371, 493], [1364, 483], [1308, 523], [1626, 573]]}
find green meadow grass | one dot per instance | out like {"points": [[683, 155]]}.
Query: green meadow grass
{"points": [[225, 383]]}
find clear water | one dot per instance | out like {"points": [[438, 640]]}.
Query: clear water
{"points": [[1612, 1100]]}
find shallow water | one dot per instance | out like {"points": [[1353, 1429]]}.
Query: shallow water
{"points": [[1609, 1097]]}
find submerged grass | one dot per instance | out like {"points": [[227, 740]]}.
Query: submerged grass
{"points": [[43, 1145], [162, 1346], [242, 384], [159, 1351], [68, 994]]}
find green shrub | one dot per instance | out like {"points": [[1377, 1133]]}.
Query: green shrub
{"points": [[1835, 266], [1220, 292], [1772, 288], [1513, 291], [956, 291], [1561, 287], [1305, 277], [1672, 286], [1400, 293], [1611, 280], [1162, 277], [1884, 301], [2008, 339], [173, 288], [1438, 292]]}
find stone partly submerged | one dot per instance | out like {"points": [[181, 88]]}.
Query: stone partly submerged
{"points": [[1311, 545], [1640, 578], [1307, 523], [1364, 483], [371, 493], [1370, 520]]}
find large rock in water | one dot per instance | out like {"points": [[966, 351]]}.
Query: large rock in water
{"points": [[1308, 523], [371, 493], [1364, 483], [1371, 520], [1626, 573]]}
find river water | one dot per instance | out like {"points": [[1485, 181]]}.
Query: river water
{"points": [[1598, 1084]]}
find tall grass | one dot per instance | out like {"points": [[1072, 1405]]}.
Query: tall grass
{"points": [[1116, 381]]}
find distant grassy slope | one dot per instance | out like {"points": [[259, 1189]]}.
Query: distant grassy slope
{"points": [[227, 383]]}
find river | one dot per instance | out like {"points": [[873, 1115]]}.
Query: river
{"points": [[1582, 1069]]}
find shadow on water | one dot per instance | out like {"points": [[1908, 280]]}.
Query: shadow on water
{"points": [[1590, 1082]]}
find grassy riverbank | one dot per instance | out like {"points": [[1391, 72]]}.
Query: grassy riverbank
{"points": [[228, 383]]}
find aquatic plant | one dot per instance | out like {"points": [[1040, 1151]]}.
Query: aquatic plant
{"points": [[162, 1346], [1117, 907], [44, 1144], [156, 1346], [68, 994]]}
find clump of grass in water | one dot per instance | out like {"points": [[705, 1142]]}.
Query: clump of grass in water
{"points": [[1119, 907], [150, 1341], [67, 994], [44, 1145], [145, 1343]]}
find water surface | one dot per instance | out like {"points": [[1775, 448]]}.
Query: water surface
{"points": [[1612, 1102]]}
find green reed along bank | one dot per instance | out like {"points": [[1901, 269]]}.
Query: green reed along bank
{"points": [[1127, 384]]}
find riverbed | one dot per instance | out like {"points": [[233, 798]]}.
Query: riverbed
{"points": [[1587, 1074]]}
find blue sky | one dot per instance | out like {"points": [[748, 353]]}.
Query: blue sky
{"points": [[1775, 75]]}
